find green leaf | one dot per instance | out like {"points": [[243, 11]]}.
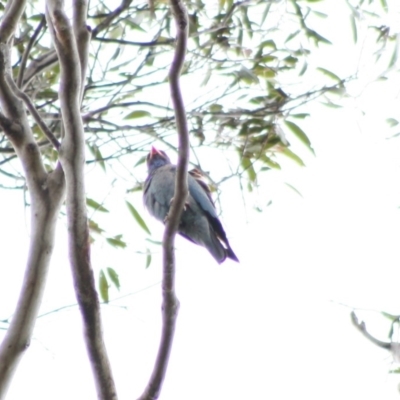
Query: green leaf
{"points": [[294, 189], [291, 36], [207, 77], [215, 108], [103, 287], [384, 5], [294, 157], [331, 105], [137, 114], [394, 136], [290, 60], [133, 25], [265, 13], [394, 57], [158, 243], [300, 115], [319, 14], [330, 74], [354, 28], [246, 21], [246, 75], [138, 218], [94, 226], [271, 163], [247, 165], [299, 133], [116, 241], [391, 330], [95, 205], [268, 43], [303, 69], [116, 32], [392, 122], [114, 277], [394, 371], [148, 258], [140, 161], [391, 316], [316, 36], [97, 155]]}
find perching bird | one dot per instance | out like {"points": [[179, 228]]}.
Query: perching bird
{"points": [[199, 220]]}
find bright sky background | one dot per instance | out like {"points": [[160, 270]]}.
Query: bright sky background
{"points": [[271, 326]]}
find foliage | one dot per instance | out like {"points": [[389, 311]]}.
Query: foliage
{"points": [[243, 79], [242, 83], [243, 62]]}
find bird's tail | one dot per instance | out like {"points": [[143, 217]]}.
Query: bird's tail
{"points": [[230, 254], [218, 251]]}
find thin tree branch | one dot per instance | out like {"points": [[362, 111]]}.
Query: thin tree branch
{"points": [[46, 192], [25, 56], [363, 329], [170, 305], [110, 17], [152, 43], [12, 14], [36, 66], [32, 109], [90, 114], [50, 58], [72, 157]]}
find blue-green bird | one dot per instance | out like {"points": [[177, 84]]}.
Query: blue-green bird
{"points": [[199, 220]]}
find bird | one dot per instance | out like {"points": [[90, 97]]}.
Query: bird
{"points": [[199, 220]]}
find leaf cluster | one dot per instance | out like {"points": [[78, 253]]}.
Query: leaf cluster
{"points": [[242, 83]]}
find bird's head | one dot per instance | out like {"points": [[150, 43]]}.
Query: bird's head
{"points": [[156, 159]]}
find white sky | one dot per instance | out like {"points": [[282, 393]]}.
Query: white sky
{"points": [[271, 326]]}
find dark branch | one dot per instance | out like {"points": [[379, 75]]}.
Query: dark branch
{"points": [[32, 109], [363, 329], [170, 302], [110, 17], [25, 56], [140, 44]]}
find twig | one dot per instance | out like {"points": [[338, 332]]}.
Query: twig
{"points": [[72, 157], [110, 17], [50, 58], [32, 109], [363, 329], [38, 65], [152, 43], [25, 56], [170, 302]]}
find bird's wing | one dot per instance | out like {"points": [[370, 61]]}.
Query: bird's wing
{"points": [[204, 201], [201, 196], [199, 177]]}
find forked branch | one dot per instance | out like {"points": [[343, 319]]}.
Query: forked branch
{"points": [[72, 156], [46, 194]]}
